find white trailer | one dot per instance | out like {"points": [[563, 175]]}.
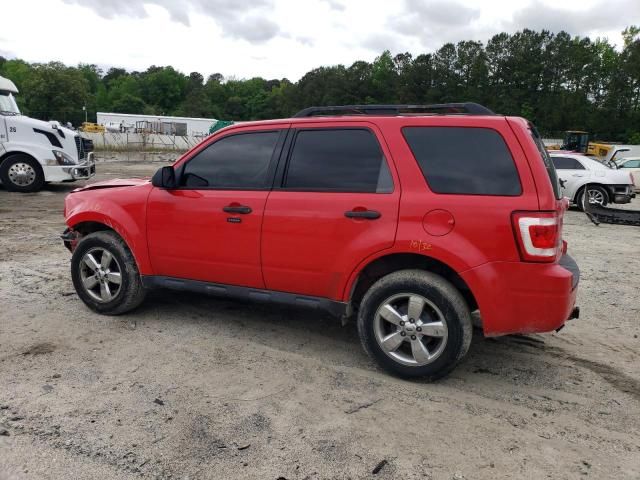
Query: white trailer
{"points": [[33, 152], [160, 124]]}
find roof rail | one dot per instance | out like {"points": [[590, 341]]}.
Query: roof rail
{"points": [[465, 108]]}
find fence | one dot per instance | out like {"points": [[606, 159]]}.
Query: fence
{"points": [[142, 141]]}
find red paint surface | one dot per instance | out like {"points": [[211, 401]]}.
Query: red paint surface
{"points": [[301, 241]]}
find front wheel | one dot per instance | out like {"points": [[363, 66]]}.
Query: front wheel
{"points": [[414, 323], [105, 274], [593, 194], [21, 173]]}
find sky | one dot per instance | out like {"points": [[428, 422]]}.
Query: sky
{"points": [[279, 38]]}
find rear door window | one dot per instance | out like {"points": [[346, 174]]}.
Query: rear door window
{"points": [[338, 160], [566, 163], [464, 160]]}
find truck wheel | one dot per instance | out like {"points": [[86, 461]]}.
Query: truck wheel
{"points": [[105, 274], [414, 323], [595, 194], [21, 173]]}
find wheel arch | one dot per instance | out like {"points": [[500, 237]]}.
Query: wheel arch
{"points": [[85, 224], [386, 264], [11, 153], [583, 187], [7, 155], [87, 227]]}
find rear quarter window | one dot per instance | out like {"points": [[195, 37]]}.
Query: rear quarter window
{"points": [[546, 159], [464, 160]]}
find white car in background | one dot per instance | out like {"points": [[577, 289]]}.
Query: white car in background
{"points": [[631, 165], [579, 174]]}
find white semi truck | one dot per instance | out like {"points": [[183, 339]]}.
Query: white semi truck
{"points": [[34, 152]]}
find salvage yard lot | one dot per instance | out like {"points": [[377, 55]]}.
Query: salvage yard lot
{"points": [[195, 387]]}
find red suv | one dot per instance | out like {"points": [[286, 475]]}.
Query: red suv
{"points": [[406, 217]]}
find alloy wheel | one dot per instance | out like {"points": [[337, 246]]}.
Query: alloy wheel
{"points": [[101, 274], [410, 329], [595, 197]]}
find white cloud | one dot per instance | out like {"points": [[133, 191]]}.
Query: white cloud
{"points": [[279, 38]]}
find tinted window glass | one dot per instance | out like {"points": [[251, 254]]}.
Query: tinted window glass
{"points": [[346, 160], [631, 164], [567, 163], [562, 163], [236, 161], [464, 160], [546, 159]]}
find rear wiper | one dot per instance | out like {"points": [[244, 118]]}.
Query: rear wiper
{"points": [[8, 112]]}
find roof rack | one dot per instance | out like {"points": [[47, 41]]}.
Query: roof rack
{"points": [[465, 108]]}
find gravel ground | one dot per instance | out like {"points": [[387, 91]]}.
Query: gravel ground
{"points": [[194, 387]]}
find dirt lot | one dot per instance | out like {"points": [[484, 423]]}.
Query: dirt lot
{"points": [[195, 387]]}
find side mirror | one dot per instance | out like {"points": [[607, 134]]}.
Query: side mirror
{"points": [[164, 178]]}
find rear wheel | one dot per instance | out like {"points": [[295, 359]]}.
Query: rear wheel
{"points": [[21, 173], [105, 274], [415, 324]]}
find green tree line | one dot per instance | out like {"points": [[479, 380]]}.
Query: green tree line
{"points": [[558, 81]]}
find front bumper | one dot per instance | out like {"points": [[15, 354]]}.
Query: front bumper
{"points": [[84, 170], [623, 198], [521, 297], [69, 173], [623, 193]]}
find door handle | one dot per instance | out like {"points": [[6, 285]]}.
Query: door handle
{"points": [[368, 214], [242, 209], [577, 175]]}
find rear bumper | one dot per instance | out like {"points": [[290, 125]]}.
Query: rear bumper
{"points": [[520, 297]]}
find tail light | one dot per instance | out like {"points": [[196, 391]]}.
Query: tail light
{"points": [[538, 235], [633, 182]]}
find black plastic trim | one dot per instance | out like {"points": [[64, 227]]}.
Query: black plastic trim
{"points": [[333, 307], [462, 108], [52, 138], [567, 262]]}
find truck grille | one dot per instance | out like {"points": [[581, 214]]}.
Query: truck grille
{"points": [[83, 146], [81, 153]]}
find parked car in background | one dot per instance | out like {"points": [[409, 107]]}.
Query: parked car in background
{"points": [[583, 178], [631, 165]]}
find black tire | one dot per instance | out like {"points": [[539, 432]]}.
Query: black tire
{"points": [[130, 292], [581, 196], [441, 294], [33, 172]]}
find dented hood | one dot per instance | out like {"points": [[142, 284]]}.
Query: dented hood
{"points": [[117, 182]]}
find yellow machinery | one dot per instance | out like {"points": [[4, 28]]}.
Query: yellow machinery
{"points": [[599, 149], [92, 127], [578, 141]]}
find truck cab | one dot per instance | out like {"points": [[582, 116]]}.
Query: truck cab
{"points": [[34, 152]]}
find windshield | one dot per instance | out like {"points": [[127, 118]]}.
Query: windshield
{"points": [[8, 105]]}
